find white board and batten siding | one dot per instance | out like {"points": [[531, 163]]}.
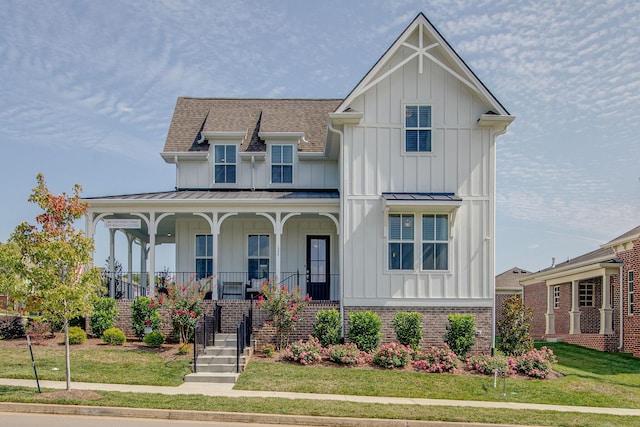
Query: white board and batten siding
{"points": [[460, 163]]}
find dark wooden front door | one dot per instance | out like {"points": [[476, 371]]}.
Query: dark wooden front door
{"points": [[318, 278]]}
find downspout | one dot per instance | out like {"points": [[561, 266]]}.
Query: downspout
{"points": [[175, 160], [253, 173], [341, 231], [621, 344]]}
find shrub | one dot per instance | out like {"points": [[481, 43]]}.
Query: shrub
{"points": [[77, 335], [304, 352], [461, 333], [392, 355], [536, 363], [328, 327], [184, 302], [183, 349], [154, 339], [347, 354], [514, 327], [104, 315], [488, 365], [269, 350], [436, 360], [11, 327], [408, 327], [145, 314], [38, 330], [364, 330], [113, 336], [283, 308]]}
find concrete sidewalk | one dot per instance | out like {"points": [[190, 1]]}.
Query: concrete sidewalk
{"points": [[227, 390]]}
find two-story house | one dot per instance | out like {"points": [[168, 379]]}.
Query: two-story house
{"points": [[383, 200]]}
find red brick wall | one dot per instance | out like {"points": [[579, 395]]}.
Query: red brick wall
{"points": [[631, 260], [535, 297]]}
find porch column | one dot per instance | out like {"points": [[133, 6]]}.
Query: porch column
{"points": [[605, 311], [550, 328], [574, 316], [129, 264], [143, 264], [112, 279], [278, 225], [152, 254]]}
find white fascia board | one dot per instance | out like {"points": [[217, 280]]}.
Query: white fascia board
{"points": [[568, 271], [432, 205], [620, 245], [346, 118], [495, 120], [281, 136], [174, 156]]}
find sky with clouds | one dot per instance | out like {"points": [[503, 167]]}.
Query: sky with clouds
{"points": [[87, 90]]}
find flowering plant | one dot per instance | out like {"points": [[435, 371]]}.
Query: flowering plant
{"points": [[184, 303], [488, 365], [536, 363], [283, 308], [348, 354], [393, 355], [145, 314], [436, 360], [304, 352]]}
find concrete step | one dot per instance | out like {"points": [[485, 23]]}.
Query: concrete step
{"points": [[212, 377], [218, 360], [220, 351], [220, 367]]}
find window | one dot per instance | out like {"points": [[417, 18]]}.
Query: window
{"points": [[435, 242], [585, 295], [630, 292], [282, 164], [204, 255], [258, 256], [401, 242], [225, 164], [556, 297], [417, 125]]}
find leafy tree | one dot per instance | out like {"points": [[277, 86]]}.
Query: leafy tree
{"points": [[52, 260], [9, 261], [514, 327]]}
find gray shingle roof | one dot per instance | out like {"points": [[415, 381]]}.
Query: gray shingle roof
{"points": [[510, 279], [192, 115]]}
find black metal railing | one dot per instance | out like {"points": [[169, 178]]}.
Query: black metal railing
{"points": [[205, 332], [244, 333]]}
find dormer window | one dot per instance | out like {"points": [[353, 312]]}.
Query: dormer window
{"points": [[281, 164], [417, 128], [225, 164]]}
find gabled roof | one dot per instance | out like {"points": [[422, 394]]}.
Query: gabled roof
{"points": [[192, 116], [423, 41], [510, 279]]}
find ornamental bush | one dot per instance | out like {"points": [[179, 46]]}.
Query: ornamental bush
{"points": [[145, 314], [328, 327], [283, 308], [304, 352], [436, 360], [392, 355], [408, 327], [461, 333], [154, 339], [514, 327], [347, 354], [536, 363], [104, 315], [77, 335], [488, 365], [184, 302], [11, 327], [364, 329], [113, 336]]}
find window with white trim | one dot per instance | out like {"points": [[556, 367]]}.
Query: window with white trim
{"points": [[401, 238], [556, 297], [282, 164], [630, 292], [585, 294], [204, 255], [224, 164], [435, 242], [417, 128], [258, 256]]}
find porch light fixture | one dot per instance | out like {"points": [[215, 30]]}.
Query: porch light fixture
{"points": [[407, 223]]}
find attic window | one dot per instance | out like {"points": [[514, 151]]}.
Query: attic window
{"points": [[225, 164], [281, 164], [417, 128]]}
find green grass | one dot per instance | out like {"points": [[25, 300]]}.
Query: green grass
{"points": [[94, 365]]}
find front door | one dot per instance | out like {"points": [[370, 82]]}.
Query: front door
{"points": [[318, 279]]}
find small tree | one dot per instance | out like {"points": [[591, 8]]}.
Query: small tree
{"points": [[461, 333], [514, 327], [184, 302], [145, 314], [283, 309], [53, 255]]}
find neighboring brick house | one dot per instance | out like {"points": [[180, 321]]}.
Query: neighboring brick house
{"points": [[508, 285], [582, 301]]}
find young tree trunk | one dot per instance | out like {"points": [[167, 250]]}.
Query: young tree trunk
{"points": [[66, 354]]}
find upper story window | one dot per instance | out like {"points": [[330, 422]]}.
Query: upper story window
{"points": [[435, 242], [204, 255], [585, 294], [225, 164], [281, 164], [417, 128], [630, 293], [401, 230]]}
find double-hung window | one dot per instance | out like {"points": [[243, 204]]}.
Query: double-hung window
{"points": [[417, 128], [435, 242], [630, 292], [401, 228], [282, 164], [258, 256], [204, 255], [225, 164]]}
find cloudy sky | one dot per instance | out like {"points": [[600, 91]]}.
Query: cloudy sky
{"points": [[87, 90]]}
